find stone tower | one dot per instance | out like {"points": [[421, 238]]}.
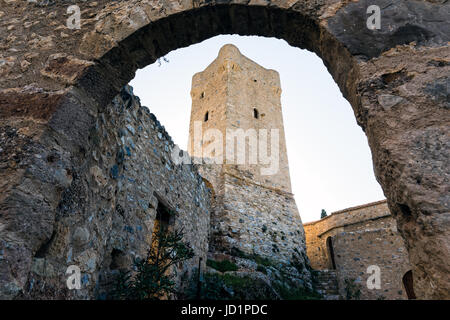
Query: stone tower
{"points": [[236, 127]]}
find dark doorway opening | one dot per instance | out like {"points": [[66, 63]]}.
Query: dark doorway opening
{"points": [[163, 222], [214, 218], [408, 283], [331, 252]]}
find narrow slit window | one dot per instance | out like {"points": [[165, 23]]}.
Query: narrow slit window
{"points": [[255, 113], [206, 116]]}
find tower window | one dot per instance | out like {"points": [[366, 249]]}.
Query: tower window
{"points": [[202, 95], [206, 116], [255, 113]]}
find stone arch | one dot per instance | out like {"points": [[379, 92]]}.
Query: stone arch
{"points": [[395, 79]]}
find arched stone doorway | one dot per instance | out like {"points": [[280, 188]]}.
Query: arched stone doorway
{"points": [[331, 253], [395, 79], [408, 284]]}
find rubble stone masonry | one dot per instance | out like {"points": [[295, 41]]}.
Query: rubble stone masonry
{"points": [[106, 215]]}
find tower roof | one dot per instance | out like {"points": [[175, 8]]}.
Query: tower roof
{"points": [[229, 51]]}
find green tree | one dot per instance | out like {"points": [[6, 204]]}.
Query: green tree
{"points": [[352, 289], [323, 214], [153, 278]]}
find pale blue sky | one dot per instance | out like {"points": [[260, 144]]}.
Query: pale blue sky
{"points": [[329, 157]]}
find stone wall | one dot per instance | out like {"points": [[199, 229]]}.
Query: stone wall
{"points": [[360, 237], [259, 220], [105, 218], [356, 251]]}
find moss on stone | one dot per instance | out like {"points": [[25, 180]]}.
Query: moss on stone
{"points": [[222, 266]]}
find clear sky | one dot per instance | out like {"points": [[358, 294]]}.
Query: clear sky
{"points": [[329, 157]]}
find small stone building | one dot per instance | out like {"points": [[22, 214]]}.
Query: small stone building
{"points": [[353, 242]]}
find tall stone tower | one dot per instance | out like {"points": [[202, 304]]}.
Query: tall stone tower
{"points": [[236, 127]]}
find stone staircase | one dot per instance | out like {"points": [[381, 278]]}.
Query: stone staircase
{"points": [[327, 284]]}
